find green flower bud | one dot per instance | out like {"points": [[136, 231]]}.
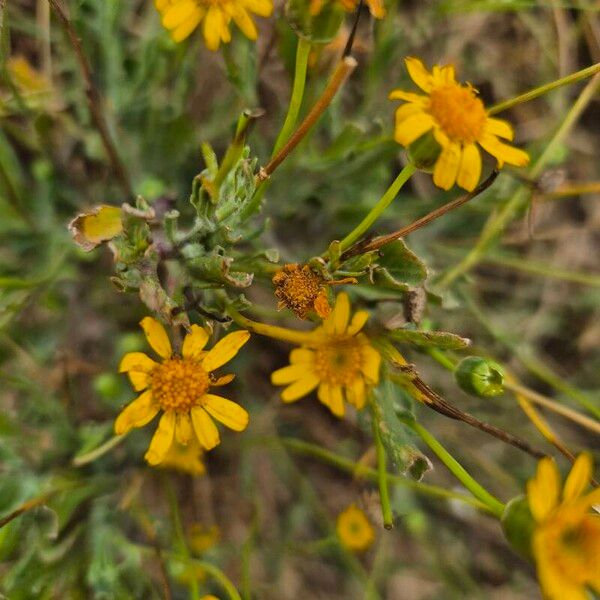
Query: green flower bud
{"points": [[318, 23], [480, 376], [424, 152], [518, 525]]}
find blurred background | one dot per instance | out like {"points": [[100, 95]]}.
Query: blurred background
{"points": [[531, 302]]}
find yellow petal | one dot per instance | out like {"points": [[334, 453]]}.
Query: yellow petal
{"points": [[136, 414], [162, 5], [447, 74], [417, 99], [407, 110], [212, 26], [244, 22], [300, 388], [408, 130], [225, 411], [356, 393], [162, 439], [503, 153], [341, 313], [157, 337], [184, 30], [500, 128], [543, 489], [223, 380], [183, 429], [579, 477], [376, 8], [288, 374], [178, 13], [139, 381], [206, 431], [224, 350], [358, 322], [99, 225], [263, 8], [136, 361], [418, 73], [469, 171], [331, 396], [371, 363], [446, 166], [194, 342], [302, 356]]}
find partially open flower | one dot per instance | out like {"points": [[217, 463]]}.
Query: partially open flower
{"points": [[179, 387], [566, 538], [459, 122], [339, 362], [354, 530], [182, 17]]}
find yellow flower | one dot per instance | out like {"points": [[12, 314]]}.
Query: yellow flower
{"points": [[459, 122], [339, 361], [201, 537], [566, 538], [178, 386], [181, 17], [354, 530], [187, 459]]}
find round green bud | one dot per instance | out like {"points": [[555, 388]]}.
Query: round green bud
{"points": [[424, 152], [518, 525], [480, 377]]}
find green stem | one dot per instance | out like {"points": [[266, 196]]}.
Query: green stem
{"points": [[348, 466], [384, 492], [88, 457], [495, 506], [499, 221], [378, 209], [544, 89], [302, 54]]}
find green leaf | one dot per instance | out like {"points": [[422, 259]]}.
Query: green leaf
{"points": [[435, 339], [401, 265], [216, 267]]}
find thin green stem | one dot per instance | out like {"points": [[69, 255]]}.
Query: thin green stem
{"points": [[500, 220], [348, 466], [496, 507], [384, 492], [302, 54], [379, 208], [88, 457], [544, 89]]}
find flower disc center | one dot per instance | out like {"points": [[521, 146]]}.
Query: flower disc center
{"points": [[339, 361], [458, 111], [178, 384]]}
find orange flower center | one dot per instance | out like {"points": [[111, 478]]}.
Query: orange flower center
{"points": [[339, 361], [301, 290], [178, 384], [573, 542], [458, 111]]}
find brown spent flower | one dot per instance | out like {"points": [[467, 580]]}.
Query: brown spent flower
{"points": [[301, 290]]}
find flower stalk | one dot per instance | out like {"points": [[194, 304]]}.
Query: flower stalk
{"points": [[384, 492]]}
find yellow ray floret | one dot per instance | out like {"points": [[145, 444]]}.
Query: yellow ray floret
{"points": [[566, 539], [182, 17], [339, 362], [354, 529], [178, 387], [459, 122]]}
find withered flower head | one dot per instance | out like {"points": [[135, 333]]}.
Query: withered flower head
{"points": [[301, 290]]}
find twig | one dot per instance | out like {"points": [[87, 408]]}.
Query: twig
{"points": [[94, 101], [364, 246], [341, 73]]}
